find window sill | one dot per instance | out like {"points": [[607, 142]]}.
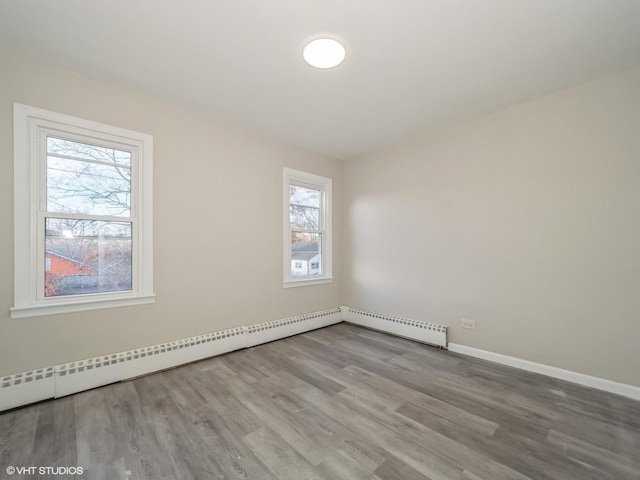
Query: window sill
{"points": [[80, 305], [303, 282]]}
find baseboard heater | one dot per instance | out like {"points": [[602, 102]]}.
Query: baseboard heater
{"points": [[270, 331], [424, 332], [61, 380]]}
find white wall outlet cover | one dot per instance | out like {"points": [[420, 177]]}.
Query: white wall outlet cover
{"points": [[467, 323]]}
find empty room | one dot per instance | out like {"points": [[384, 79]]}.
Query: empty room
{"points": [[287, 240]]}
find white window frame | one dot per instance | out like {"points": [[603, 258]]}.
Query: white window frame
{"points": [[304, 179], [30, 126]]}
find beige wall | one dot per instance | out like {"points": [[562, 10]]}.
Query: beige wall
{"points": [[218, 215], [526, 220]]}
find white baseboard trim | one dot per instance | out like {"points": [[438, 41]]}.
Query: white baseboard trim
{"points": [[424, 332], [610, 386]]}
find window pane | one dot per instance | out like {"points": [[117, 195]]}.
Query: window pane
{"points": [[306, 197], [306, 254], [77, 185], [304, 217], [86, 256]]}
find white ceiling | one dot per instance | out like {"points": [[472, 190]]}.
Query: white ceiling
{"points": [[410, 64]]}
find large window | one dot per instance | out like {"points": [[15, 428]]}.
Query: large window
{"points": [[83, 226], [307, 232]]}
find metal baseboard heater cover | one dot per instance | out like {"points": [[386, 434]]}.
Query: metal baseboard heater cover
{"points": [[27, 387], [94, 372], [270, 331], [61, 380], [424, 332]]}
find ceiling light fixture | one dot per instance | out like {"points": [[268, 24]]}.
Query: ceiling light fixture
{"points": [[324, 53]]}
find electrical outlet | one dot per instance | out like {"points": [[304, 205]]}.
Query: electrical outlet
{"points": [[470, 324]]}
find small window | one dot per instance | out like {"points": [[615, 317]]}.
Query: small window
{"points": [[307, 199], [84, 189]]}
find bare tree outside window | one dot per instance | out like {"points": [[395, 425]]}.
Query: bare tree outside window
{"points": [[87, 179]]}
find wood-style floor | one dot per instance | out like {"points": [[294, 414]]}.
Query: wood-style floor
{"points": [[338, 403]]}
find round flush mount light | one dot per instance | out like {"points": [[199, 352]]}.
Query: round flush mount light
{"points": [[324, 53]]}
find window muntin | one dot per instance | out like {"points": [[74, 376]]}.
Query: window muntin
{"points": [[307, 228], [83, 208]]}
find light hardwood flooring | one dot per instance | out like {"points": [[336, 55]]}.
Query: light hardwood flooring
{"points": [[342, 402]]}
